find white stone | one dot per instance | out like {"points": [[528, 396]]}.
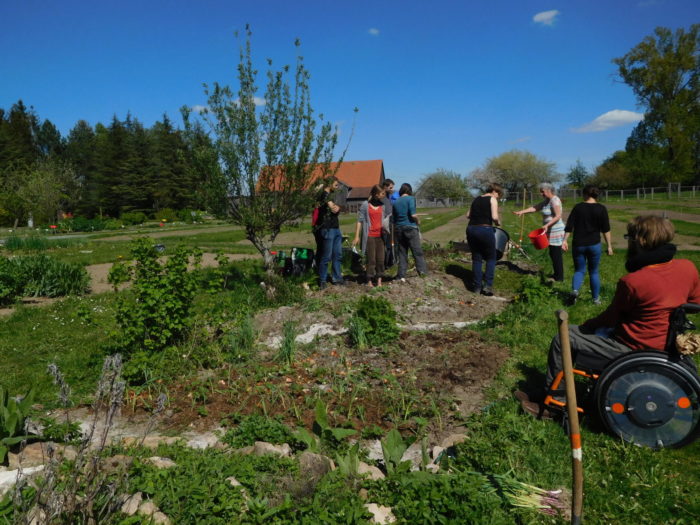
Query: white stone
{"points": [[132, 503], [262, 448], [8, 478], [371, 471], [380, 513], [159, 462]]}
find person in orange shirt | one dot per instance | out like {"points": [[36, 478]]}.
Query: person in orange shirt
{"points": [[638, 317]]}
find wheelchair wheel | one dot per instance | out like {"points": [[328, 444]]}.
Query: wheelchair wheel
{"points": [[646, 399]]}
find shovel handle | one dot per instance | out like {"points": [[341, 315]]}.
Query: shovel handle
{"points": [[571, 408]]}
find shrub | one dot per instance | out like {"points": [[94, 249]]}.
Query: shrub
{"points": [[82, 224], [373, 321], [42, 275], [189, 216], [131, 218], [10, 282], [259, 428], [166, 215], [154, 313]]}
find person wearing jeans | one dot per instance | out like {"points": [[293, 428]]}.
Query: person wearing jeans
{"points": [[588, 219], [328, 233], [407, 232], [332, 252], [481, 236]]}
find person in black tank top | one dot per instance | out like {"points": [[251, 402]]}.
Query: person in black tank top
{"points": [[481, 236]]}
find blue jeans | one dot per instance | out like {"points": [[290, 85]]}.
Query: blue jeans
{"points": [[408, 238], [587, 255], [332, 251], [482, 243]]}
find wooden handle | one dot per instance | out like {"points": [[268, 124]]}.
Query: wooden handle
{"points": [[571, 406]]}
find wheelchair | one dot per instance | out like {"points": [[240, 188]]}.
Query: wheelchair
{"points": [[648, 398]]}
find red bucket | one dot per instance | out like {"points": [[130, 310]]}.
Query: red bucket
{"points": [[539, 238]]}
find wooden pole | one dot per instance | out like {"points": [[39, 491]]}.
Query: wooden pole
{"points": [[571, 408]]}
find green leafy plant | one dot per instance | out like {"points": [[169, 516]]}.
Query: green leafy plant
{"points": [[373, 321], [323, 433], [393, 448], [154, 313], [41, 275], [10, 281], [532, 291], [258, 428], [13, 414], [65, 432], [241, 341], [349, 462]]}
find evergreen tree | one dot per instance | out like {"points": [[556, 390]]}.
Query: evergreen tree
{"points": [[80, 152]]}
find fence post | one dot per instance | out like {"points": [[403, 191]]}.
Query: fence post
{"points": [[652, 193], [606, 195], [637, 193], [622, 195]]}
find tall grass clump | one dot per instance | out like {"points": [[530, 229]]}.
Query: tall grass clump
{"points": [[44, 276]]}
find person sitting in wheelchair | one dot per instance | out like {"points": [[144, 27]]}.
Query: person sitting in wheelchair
{"points": [[638, 316]]}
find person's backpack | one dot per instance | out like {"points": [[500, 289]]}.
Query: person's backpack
{"points": [[314, 217]]}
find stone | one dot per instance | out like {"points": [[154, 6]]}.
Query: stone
{"points": [[414, 455], [147, 508], [160, 518], [116, 463], [374, 450], [437, 450], [150, 441], [131, 504], [314, 466], [380, 514], [245, 451], [234, 482], [35, 454], [261, 448], [371, 471], [8, 478], [452, 440], [159, 462]]}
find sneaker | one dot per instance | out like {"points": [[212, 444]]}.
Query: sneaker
{"points": [[573, 296], [521, 396], [597, 300], [536, 410], [322, 286], [339, 283], [487, 291]]}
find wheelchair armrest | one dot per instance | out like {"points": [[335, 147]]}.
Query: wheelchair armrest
{"points": [[691, 308]]}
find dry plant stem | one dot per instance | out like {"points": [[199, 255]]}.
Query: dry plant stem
{"points": [[87, 496]]}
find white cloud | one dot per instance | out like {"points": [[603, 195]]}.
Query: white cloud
{"points": [[373, 31], [199, 109], [520, 140], [546, 18], [611, 119], [258, 101]]}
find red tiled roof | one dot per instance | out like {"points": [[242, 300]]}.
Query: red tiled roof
{"points": [[360, 175]]}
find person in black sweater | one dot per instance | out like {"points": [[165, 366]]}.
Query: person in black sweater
{"points": [[481, 236], [587, 221]]}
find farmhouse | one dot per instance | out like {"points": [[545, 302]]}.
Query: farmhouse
{"points": [[359, 176]]}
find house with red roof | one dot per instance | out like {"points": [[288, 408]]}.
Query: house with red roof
{"points": [[359, 176]]}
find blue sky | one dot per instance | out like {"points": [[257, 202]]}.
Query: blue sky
{"points": [[439, 84]]}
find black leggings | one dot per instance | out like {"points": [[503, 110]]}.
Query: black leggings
{"points": [[557, 262]]}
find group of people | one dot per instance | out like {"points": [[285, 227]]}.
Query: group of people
{"points": [[588, 220], [386, 223]]}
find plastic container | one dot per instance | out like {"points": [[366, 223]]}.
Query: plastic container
{"points": [[539, 238], [502, 239]]}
